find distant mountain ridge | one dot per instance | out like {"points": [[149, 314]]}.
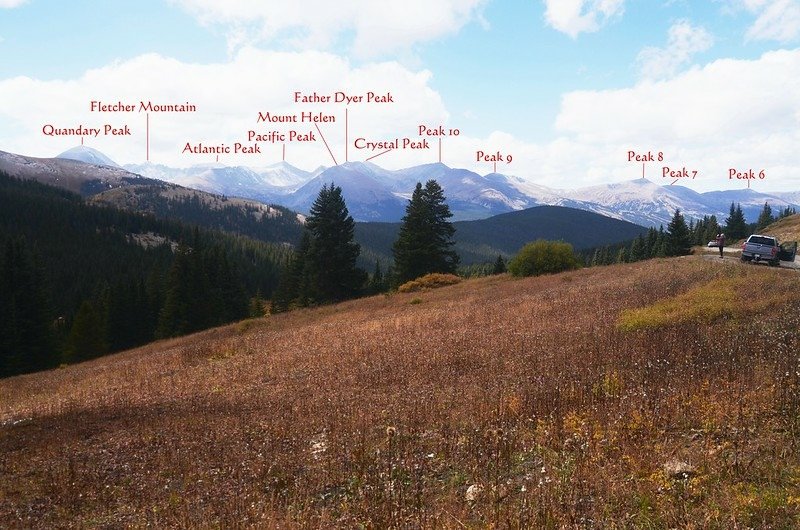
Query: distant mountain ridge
{"points": [[374, 194], [380, 195]]}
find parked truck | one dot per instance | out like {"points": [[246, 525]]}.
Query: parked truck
{"points": [[759, 248]]}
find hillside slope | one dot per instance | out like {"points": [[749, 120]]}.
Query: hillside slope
{"points": [[786, 229], [78, 280], [492, 402]]}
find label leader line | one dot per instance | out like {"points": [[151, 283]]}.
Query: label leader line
{"points": [[326, 144]]}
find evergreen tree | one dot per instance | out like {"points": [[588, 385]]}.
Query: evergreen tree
{"points": [[765, 218], [697, 231], [376, 282], [652, 243], [330, 265], [426, 235], [175, 318], [602, 256], [660, 247], [735, 224], [293, 286], [87, 337], [499, 265], [678, 239], [712, 228], [637, 250], [256, 306]]}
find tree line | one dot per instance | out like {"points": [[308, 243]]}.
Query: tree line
{"points": [[678, 238]]}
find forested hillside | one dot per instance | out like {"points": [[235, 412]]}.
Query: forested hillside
{"points": [[481, 241], [78, 280], [269, 223]]}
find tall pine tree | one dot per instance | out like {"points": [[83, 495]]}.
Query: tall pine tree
{"points": [[87, 338], [330, 267], [678, 238], [426, 235], [735, 224], [765, 218], [292, 288]]}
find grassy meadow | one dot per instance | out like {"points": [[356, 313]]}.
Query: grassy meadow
{"points": [[661, 394]]}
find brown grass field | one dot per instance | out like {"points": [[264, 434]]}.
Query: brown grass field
{"points": [[661, 394]]}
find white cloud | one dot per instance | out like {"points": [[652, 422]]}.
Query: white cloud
{"points": [[9, 4], [371, 28], [574, 17], [228, 97], [729, 113], [777, 20], [684, 40]]}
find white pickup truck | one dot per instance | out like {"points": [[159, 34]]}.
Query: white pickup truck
{"points": [[767, 248]]}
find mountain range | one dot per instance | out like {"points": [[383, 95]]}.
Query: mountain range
{"points": [[374, 194], [100, 181]]}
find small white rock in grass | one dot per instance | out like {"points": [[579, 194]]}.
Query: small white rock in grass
{"points": [[319, 444], [679, 470], [473, 492]]}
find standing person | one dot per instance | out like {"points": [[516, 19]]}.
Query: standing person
{"points": [[720, 242]]}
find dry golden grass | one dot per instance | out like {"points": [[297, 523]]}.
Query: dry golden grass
{"points": [[496, 402]]}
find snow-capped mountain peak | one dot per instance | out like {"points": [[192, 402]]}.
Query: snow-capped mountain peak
{"points": [[81, 153]]}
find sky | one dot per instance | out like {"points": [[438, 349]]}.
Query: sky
{"points": [[563, 93]]}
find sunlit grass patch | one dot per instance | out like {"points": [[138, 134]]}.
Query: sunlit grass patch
{"points": [[706, 303], [741, 291]]}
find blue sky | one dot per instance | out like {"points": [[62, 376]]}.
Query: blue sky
{"points": [[521, 76]]}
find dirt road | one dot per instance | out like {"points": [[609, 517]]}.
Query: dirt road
{"points": [[731, 254]]}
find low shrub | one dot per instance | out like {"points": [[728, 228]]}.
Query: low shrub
{"points": [[543, 257], [429, 281]]}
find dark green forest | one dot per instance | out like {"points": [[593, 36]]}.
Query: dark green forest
{"points": [[78, 281]]}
